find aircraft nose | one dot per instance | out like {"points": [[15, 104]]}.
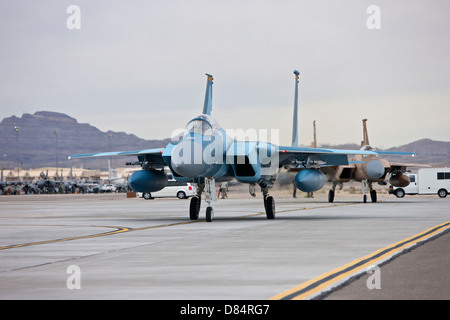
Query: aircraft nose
{"points": [[187, 159]]}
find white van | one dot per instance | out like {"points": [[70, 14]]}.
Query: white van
{"points": [[426, 181], [174, 188]]}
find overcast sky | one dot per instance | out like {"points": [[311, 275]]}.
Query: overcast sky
{"points": [[138, 66]]}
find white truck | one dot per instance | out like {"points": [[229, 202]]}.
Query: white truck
{"points": [[181, 190], [426, 181]]}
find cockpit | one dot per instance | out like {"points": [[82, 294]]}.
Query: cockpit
{"points": [[202, 124], [367, 148]]}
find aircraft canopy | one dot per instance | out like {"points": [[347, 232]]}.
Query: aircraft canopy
{"points": [[202, 124]]}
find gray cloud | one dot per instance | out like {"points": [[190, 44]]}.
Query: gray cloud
{"points": [[139, 66]]}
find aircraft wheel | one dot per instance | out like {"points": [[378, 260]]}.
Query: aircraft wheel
{"points": [[331, 196], [373, 195], [365, 198], [209, 214], [194, 208], [270, 207]]}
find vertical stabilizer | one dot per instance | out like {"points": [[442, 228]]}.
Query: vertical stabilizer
{"points": [[314, 143], [295, 121], [365, 141], [207, 107]]}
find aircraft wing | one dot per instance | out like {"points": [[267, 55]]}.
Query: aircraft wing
{"points": [[396, 166], [325, 157], [151, 156]]}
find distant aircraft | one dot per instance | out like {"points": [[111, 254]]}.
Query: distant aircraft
{"points": [[206, 155], [366, 169], [112, 176]]}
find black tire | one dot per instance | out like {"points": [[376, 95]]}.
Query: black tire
{"points": [[181, 195], [209, 214], [194, 208], [442, 193], [399, 193], [270, 207], [373, 196], [331, 196], [147, 196]]}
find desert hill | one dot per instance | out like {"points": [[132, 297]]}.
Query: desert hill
{"points": [[48, 137], [40, 146]]}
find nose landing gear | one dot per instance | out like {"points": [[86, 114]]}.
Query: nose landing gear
{"points": [[210, 196]]}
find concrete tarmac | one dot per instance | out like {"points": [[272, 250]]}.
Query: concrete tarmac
{"points": [[111, 247]]}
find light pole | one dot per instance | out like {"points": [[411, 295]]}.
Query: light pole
{"points": [[3, 165], [110, 149], [18, 152], [56, 152]]}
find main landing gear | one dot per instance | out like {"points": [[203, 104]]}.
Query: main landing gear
{"points": [[194, 207], [269, 205], [269, 201], [366, 186]]}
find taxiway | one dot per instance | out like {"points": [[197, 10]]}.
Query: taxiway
{"points": [[139, 249]]}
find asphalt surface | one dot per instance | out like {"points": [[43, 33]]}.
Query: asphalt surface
{"points": [[418, 274], [118, 248]]}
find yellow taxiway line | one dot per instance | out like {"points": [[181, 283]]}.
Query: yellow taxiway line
{"points": [[126, 229], [313, 287]]}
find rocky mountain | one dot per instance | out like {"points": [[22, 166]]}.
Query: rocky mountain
{"points": [[434, 153], [45, 138]]}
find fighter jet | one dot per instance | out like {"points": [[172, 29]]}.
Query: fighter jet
{"points": [[206, 154], [366, 169]]}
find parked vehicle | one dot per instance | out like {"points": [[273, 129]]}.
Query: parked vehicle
{"points": [[181, 190], [426, 181], [108, 188]]}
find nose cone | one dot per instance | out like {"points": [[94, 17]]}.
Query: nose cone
{"points": [[375, 169], [187, 159]]}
